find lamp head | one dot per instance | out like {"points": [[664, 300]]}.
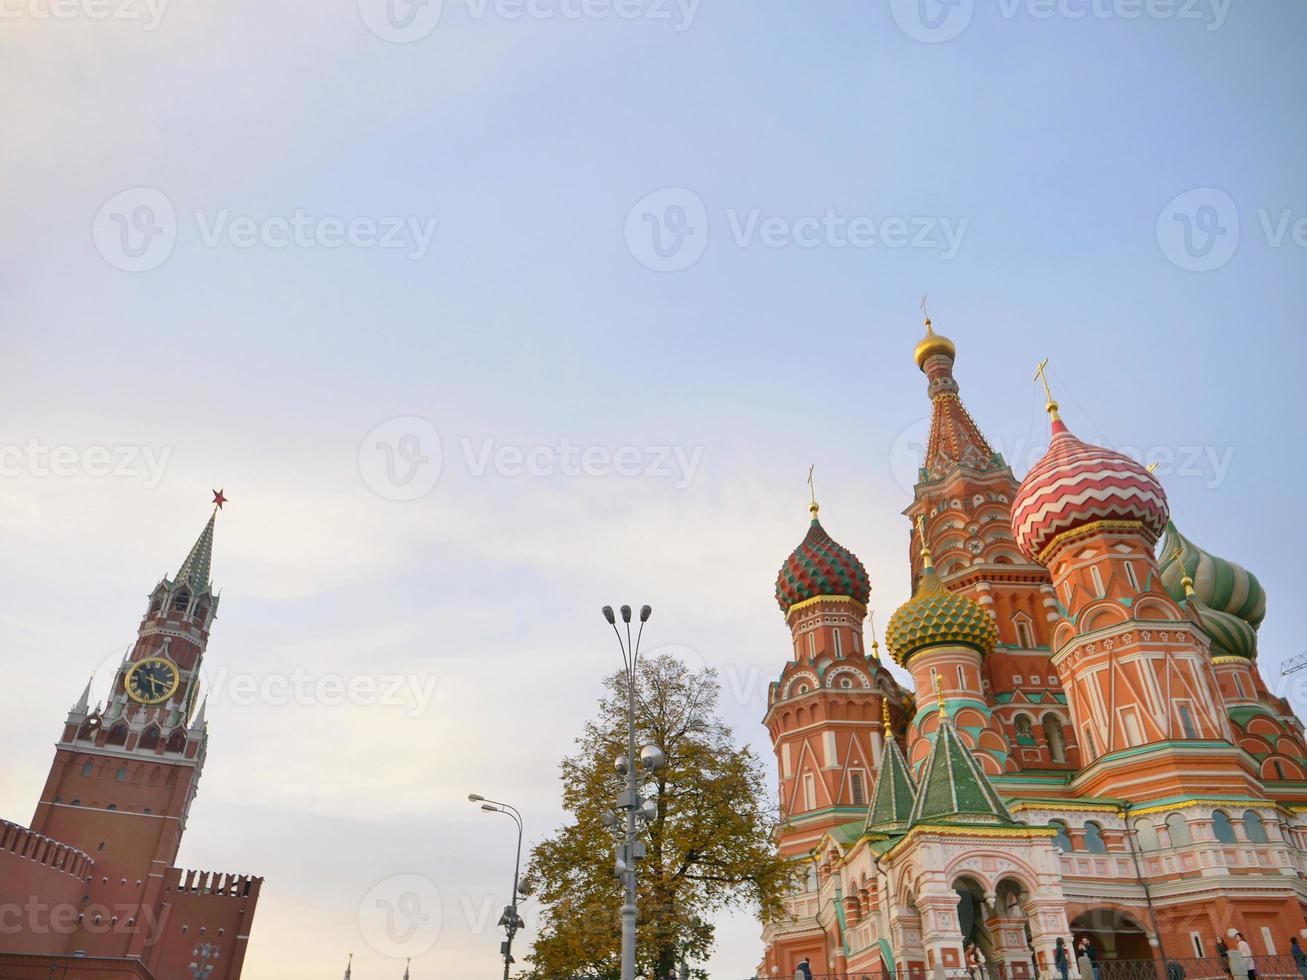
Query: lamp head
{"points": [[489, 809], [474, 797], [608, 615], [626, 614], [645, 613]]}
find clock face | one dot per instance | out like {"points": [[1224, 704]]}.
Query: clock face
{"points": [[152, 680]]}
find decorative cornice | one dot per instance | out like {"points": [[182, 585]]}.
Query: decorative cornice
{"points": [[1084, 531], [948, 830], [825, 598], [1198, 801]]}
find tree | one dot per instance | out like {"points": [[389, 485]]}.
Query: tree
{"points": [[710, 847]]}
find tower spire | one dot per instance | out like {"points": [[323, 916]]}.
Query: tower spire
{"points": [[83, 704], [195, 569], [955, 439]]}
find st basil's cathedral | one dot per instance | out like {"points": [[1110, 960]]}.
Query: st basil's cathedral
{"points": [[1089, 748], [90, 889]]}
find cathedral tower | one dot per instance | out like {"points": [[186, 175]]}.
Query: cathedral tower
{"points": [[1138, 675]]}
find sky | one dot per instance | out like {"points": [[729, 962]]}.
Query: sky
{"points": [[487, 313]]}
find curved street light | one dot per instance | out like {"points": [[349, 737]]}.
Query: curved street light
{"points": [[510, 920]]}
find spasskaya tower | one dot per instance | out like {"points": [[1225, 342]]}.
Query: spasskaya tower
{"points": [[96, 868]]}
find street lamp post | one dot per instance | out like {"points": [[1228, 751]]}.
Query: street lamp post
{"points": [[651, 759], [510, 920]]}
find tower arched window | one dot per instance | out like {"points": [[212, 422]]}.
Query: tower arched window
{"points": [[118, 734], [1025, 734], [1177, 828], [121, 774], [180, 601], [88, 769], [1055, 737], [1253, 827], [1063, 839], [1146, 834], [839, 644], [1222, 827], [176, 741], [1025, 636], [1094, 842], [151, 738], [1098, 581]]}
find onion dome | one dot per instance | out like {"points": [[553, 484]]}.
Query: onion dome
{"points": [[932, 344], [1077, 484], [1229, 599], [935, 615], [821, 566]]}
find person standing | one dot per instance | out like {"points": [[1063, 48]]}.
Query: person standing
{"points": [[1246, 951], [1062, 959], [1299, 957], [805, 969]]}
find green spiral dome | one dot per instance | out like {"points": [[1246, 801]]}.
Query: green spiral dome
{"points": [[1232, 603], [934, 616]]}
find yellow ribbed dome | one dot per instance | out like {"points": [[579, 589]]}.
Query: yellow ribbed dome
{"points": [[932, 344], [933, 616]]}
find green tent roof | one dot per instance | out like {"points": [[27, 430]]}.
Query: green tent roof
{"points": [[954, 788], [891, 804]]}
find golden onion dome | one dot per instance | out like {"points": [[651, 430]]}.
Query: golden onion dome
{"points": [[933, 344], [935, 615]]}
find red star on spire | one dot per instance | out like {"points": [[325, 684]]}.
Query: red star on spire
{"points": [[219, 499]]}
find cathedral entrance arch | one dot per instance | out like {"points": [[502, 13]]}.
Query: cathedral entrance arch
{"points": [[1116, 935]]}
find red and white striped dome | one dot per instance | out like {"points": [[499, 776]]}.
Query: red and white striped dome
{"points": [[1077, 484]]}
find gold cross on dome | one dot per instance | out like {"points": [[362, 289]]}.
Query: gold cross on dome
{"points": [[812, 489], [1041, 375]]}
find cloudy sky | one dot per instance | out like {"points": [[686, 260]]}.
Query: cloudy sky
{"points": [[485, 320]]}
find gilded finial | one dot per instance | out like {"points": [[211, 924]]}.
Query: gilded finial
{"points": [[871, 625], [932, 343], [1052, 406], [925, 545], [812, 494], [1186, 582], [884, 714], [939, 696]]}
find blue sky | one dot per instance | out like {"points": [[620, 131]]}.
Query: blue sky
{"points": [[1036, 173]]}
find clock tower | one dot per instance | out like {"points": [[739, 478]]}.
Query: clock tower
{"points": [[126, 772]]}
